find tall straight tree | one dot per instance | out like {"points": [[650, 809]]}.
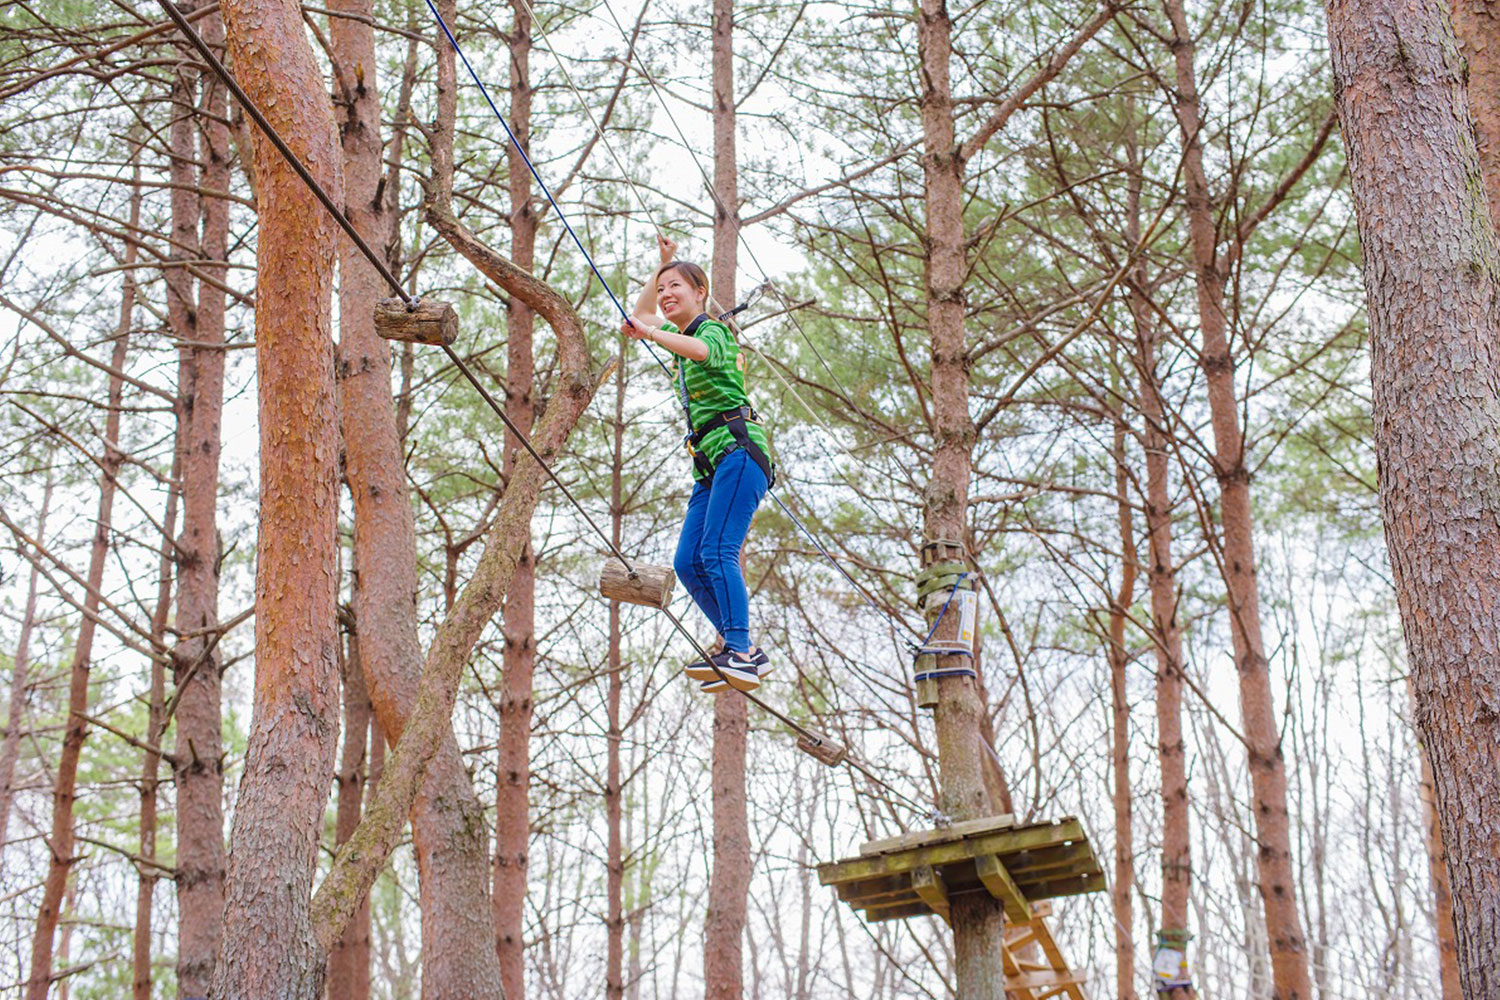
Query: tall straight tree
{"points": [[447, 818], [729, 883], [198, 325], [1276, 881], [1161, 582], [977, 920], [269, 948], [513, 781], [1432, 281]]}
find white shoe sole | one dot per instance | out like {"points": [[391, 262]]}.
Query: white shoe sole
{"points": [[706, 673], [740, 680]]}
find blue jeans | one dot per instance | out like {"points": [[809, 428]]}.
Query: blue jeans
{"points": [[708, 553]]}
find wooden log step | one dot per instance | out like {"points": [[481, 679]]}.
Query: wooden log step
{"points": [[428, 321], [650, 586]]}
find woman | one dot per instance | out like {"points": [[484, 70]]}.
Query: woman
{"points": [[731, 460]]}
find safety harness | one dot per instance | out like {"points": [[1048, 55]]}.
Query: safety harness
{"points": [[737, 420]]}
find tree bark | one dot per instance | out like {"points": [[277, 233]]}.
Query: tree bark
{"points": [[447, 818], [62, 839], [269, 948], [198, 765], [513, 757], [1288, 945], [729, 881], [1432, 280], [1478, 30]]}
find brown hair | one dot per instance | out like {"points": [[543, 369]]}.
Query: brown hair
{"points": [[692, 272]]}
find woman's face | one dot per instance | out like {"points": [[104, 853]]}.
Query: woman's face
{"points": [[677, 299]]}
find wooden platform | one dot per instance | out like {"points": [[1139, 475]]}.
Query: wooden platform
{"points": [[919, 873]]}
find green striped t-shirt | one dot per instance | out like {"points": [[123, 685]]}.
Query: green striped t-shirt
{"points": [[712, 386]]}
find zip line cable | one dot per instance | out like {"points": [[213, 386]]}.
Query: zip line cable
{"points": [[562, 216], [814, 739]]}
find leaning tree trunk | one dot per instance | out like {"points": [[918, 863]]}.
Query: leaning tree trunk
{"points": [[1277, 883], [458, 961], [729, 882], [198, 760], [513, 756], [10, 745], [1442, 891], [1432, 278], [349, 962], [357, 865], [269, 949], [62, 839]]}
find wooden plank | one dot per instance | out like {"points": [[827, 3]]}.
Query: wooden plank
{"points": [[880, 913], [1072, 886], [1000, 885], [1067, 859], [958, 831], [928, 885]]}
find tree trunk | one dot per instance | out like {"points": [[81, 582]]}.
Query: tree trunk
{"points": [[614, 920], [729, 882], [1119, 660], [10, 747], [349, 963], [198, 764], [978, 921], [62, 839], [1432, 277], [513, 758], [269, 948], [156, 724], [1161, 581], [1288, 946], [447, 819]]}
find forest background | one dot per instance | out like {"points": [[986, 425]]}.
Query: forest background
{"points": [[127, 205]]}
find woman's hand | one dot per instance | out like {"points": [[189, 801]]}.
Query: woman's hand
{"points": [[635, 329], [665, 247]]}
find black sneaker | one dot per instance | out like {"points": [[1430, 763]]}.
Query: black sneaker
{"points": [[701, 671], [735, 670]]}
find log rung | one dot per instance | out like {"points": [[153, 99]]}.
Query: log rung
{"points": [[425, 321], [649, 586]]}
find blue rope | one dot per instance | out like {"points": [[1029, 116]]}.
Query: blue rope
{"points": [[561, 215], [943, 651]]}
